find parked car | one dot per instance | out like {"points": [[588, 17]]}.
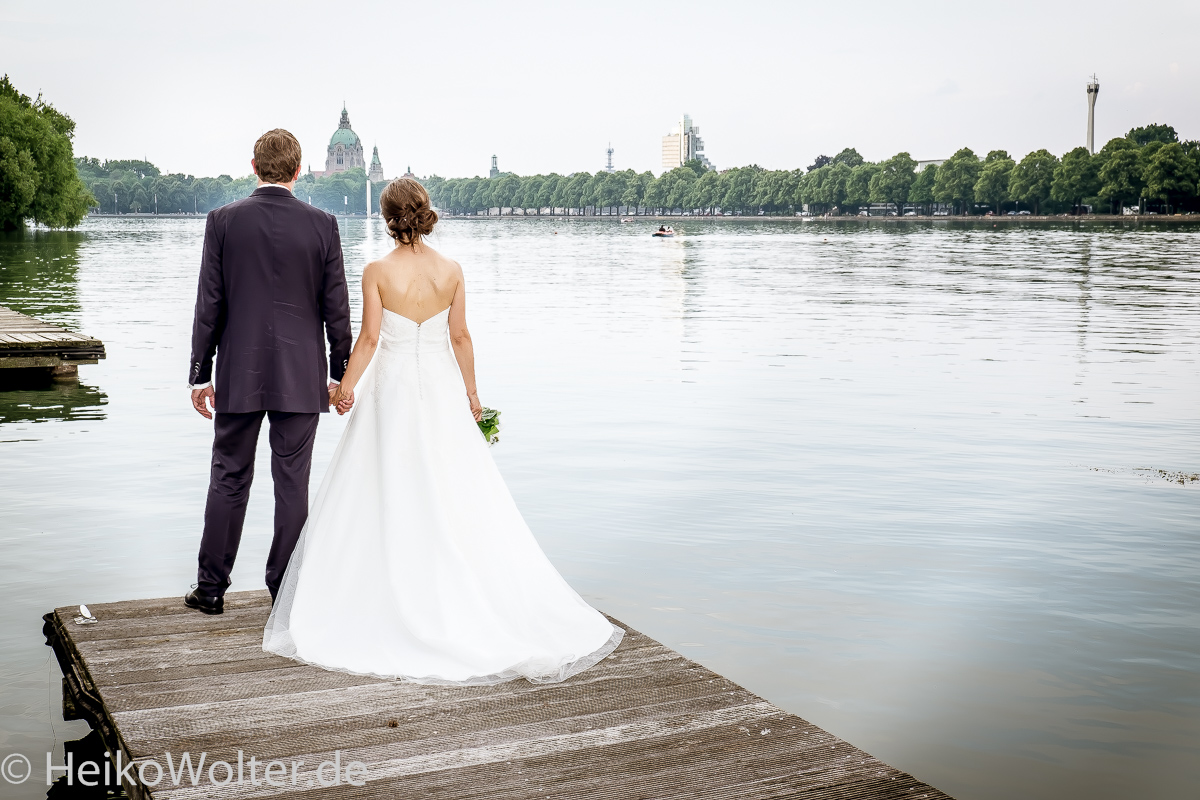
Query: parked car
{"points": [[864, 213], [1024, 213], [1011, 213], [941, 213], [910, 213]]}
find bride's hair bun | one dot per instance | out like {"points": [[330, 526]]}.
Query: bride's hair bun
{"points": [[405, 206]]}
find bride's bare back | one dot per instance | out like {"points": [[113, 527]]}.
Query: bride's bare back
{"points": [[416, 283]]}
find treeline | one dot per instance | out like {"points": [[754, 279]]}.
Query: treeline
{"points": [[37, 177], [124, 187], [131, 186], [1148, 166]]}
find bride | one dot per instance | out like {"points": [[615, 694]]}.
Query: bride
{"points": [[415, 562]]}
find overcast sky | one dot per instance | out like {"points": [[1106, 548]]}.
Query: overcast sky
{"points": [[546, 86]]}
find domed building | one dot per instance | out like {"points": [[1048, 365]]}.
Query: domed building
{"points": [[345, 149]]}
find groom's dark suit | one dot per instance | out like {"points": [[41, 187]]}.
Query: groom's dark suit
{"points": [[272, 285]]}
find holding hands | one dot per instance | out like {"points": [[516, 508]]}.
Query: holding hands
{"points": [[341, 397]]}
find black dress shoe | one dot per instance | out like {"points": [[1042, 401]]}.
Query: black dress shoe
{"points": [[202, 602]]}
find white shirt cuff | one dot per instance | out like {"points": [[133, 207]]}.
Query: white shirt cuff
{"points": [[335, 383], [195, 386]]}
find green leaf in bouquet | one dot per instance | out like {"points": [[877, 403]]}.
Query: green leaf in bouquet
{"points": [[489, 425]]}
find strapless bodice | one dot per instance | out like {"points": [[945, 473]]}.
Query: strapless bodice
{"points": [[399, 334]]}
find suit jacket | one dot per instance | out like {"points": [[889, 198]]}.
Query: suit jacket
{"points": [[272, 285]]}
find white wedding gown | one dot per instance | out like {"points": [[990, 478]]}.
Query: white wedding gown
{"points": [[415, 562]]}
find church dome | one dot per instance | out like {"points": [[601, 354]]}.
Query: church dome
{"points": [[343, 136]]}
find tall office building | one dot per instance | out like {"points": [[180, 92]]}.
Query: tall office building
{"points": [[682, 145], [1093, 91]]}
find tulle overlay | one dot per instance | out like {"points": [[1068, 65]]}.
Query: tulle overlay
{"points": [[415, 562]]}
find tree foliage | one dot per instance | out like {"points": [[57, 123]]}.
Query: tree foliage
{"points": [[1124, 170], [955, 182], [1152, 133], [38, 179], [1032, 177]]}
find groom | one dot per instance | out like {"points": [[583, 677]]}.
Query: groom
{"points": [[271, 285]]}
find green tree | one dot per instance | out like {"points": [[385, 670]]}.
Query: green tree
{"points": [[921, 192], [505, 191], [635, 190], [1152, 133], [739, 189], [956, 178], [1077, 176], [992, 187], [38, 176], [894, 180], [706, 191], [1032, 177], [547, 193], [1170, 174], [655, 196], [576, 187], [1121, 177], [858, 187], [849, 157]]}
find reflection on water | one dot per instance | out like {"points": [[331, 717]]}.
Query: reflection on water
{"points": [[105, 786], [925, 485], [46, 400], [39, 274]]}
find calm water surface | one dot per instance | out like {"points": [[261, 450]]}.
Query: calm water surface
{"points": [[901, 480]]}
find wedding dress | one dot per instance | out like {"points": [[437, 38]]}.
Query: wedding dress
{"points": [[415, 562]]}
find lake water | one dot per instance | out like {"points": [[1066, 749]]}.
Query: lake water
{"points": [[917, 483]]}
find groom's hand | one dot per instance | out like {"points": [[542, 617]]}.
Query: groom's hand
{"points": [[198, 398], [345, 401]]}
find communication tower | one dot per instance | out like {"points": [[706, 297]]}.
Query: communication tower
{"points": [[1093, 89], [609, 166]]}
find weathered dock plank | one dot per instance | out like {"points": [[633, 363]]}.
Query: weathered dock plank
{"points": [[646, 723], [28, 343]]}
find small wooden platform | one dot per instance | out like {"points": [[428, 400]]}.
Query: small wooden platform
{"points": [[645, 724], [28, 343]]}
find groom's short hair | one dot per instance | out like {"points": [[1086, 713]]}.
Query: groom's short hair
{"points": [[276, 156]]}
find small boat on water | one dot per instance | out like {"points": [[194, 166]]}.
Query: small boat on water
{"points": [[665, 233]]}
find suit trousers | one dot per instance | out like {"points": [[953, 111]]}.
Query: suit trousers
{"points": [[234, 443]]}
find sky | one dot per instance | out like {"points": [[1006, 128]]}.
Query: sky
{"points": [[546, 86]]}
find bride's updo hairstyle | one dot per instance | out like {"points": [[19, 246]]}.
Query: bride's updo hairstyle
{"points": [[405, 206]]}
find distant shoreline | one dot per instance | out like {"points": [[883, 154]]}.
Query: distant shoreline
{"points": [[676, 219], [679, 220]]}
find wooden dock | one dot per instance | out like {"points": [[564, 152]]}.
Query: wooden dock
{"points": [[28, 343], [153, 677]]}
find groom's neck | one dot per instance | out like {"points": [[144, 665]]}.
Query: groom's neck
{"points": [[290, 186]]}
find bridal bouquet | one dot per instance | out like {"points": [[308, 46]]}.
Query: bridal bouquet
{"points": [[489, 425]]}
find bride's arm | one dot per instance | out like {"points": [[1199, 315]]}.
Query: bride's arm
{"points": [[460, 339], [368, 340]]}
